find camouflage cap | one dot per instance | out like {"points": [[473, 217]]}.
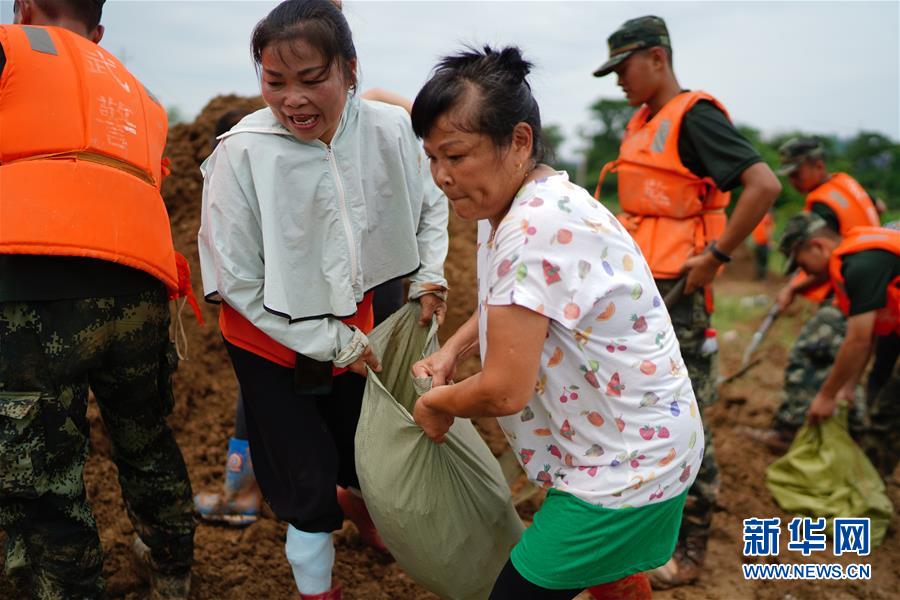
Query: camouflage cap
{"points": [[798, 229], [634, 34], [793, 152]]}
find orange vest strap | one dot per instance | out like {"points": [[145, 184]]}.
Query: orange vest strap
{"points": [[185, 289], [609, 167]]}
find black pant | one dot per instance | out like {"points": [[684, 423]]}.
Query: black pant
{"points": [[302, 445], [386, 300], [510, 585]]}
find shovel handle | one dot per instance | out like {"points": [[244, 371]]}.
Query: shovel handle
{"points": [[675, 293]]}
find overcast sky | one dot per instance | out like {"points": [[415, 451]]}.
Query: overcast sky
{"points": [[830, 67]]}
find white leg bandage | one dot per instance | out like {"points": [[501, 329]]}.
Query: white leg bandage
{"points": [[311, 556]]}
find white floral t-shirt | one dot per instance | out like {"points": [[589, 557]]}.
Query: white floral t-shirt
{"points": [[613, 419]]}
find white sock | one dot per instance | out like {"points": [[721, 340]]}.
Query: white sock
{"points": [[311, 556]]}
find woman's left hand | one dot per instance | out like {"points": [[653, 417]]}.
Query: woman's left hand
{"points": [[433, 422], [432, 307]]}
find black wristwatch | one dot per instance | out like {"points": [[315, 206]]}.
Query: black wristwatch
{"points": [[720, 256]]}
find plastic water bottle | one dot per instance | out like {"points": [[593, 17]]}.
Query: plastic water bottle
{"points": [[710, 344]]}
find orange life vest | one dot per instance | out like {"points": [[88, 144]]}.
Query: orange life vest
{"points": [[670, 212], [853, 207], [887, 319], [762, 233], [81, 146]]}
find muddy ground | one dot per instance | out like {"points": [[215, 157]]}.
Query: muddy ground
{"points": [[249, 563]]}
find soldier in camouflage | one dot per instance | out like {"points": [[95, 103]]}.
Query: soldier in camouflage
{"points": [[814, 351], [710, 149], [867, 279], [70, 323]]}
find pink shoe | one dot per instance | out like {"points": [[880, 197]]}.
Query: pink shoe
{"points": [[332, 594], [355, 509]]}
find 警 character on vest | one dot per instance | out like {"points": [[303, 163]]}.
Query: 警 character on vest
{"points": [[87, 267], [680, 156], [863, 267]]}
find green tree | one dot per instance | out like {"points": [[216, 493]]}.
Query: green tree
{"points": [[553, 138], [608, 120], [175, 115]]}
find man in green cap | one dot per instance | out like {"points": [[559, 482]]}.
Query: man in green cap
{"points": [[842, 204], [680, 157], [863, 268]]}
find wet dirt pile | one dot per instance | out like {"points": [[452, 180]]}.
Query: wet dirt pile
{"points": [[250, 563]]}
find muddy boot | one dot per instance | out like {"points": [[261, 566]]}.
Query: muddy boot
{"points": [[633, 587], [686, 564], [162, 586], [778, 441], [355, 509], [238, 505], [332, 594]]}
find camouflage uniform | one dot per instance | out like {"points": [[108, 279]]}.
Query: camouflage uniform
{"points": [[881, 440], [809, 363], [690, 321], [52, 352]]}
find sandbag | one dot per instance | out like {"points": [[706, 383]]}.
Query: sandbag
{"points": [[825, 474], [443, 510]]}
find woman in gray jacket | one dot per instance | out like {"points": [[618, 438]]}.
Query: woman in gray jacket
{"points": [[307, 206]]}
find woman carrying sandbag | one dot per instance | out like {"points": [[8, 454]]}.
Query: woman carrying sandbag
{"points": [[307, 206], [580, 362]]}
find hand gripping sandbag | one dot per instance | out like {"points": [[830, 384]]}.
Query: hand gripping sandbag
{"points": [[443, 510], [825, 474]]}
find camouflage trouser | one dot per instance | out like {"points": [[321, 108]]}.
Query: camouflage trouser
{"points": [[51, 353], [809, 363], [882, 438], [690, 321]]}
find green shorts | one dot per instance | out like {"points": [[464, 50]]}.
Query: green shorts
{"points": [[573, 544]]}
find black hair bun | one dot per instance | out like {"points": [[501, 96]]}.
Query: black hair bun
{"points": [[510, 60]]}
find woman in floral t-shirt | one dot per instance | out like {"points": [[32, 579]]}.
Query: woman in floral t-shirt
{"points": [[580, 362]]}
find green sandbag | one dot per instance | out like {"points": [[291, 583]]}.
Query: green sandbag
{"points": [[443, 510], [825, 474]]}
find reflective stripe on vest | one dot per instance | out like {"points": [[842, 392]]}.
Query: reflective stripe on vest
{"points": [[40, 40]]}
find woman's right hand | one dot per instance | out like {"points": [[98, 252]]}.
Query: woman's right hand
{"points": [[440, 366], [367, 358]]}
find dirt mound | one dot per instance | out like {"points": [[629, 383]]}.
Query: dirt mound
{"points": [[250, 563]]}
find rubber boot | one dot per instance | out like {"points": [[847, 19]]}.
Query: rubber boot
{"points": [[633, 587], [355, 509], [239, 503]]}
